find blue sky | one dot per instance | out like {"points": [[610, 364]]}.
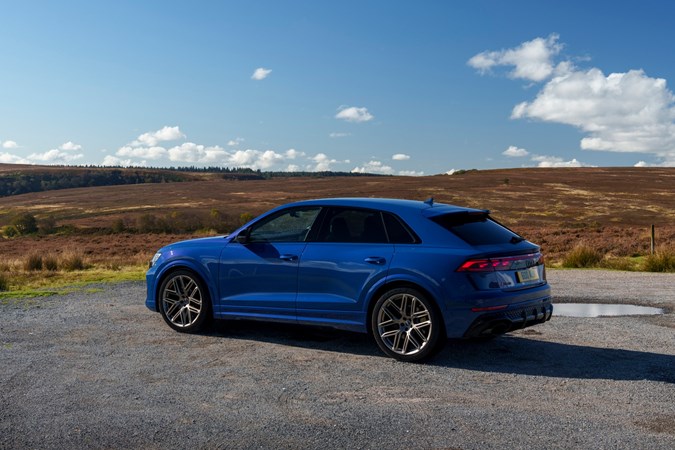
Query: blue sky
{"points": [[393, 87]]}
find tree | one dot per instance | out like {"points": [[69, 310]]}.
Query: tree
{"points": [[25, 223]]}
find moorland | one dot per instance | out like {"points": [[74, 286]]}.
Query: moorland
{"points": [[608, 212]]}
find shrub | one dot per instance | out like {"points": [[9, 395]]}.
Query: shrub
{"points": [[661, 261], [10, 231], [4, 282], [72, 261], [582, 256], [245, 218], [33, 262], [50, 263], [47, 225], [25, 223], [118, 226]]}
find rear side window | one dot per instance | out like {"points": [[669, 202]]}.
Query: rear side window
{"points": [[476, 228], [397, 231], [358, 225], [352, 225]]}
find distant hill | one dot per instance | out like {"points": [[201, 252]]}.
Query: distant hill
{"points": [[23, 179]]}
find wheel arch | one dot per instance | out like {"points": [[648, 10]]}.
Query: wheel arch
{"points": [[175, 266], [395, 284]]}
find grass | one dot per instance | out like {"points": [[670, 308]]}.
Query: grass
{"points": [[586, 257], [580, 257], [25, 284], [661, 261]]}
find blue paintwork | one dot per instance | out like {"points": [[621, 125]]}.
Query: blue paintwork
{"points": [[335, 283]]}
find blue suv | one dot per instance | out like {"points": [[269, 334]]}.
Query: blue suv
{"points": [[411, 273]]}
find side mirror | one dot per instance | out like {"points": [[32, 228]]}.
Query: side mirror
{"points": [[244, 237]]}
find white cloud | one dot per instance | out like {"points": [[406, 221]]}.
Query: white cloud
{"points": [[515, 152], [70, 146], [410, 173], [152, 138], [532, 60], [641, 164], [323, 162], [555, 161], [620, 112], [260, 73], [55, 156], [9, 144], [354, 114], [400, 157], [373, 167], [142, 152], [257, 159], [292, 153], [110, 160], [196, 153], [339, 135], [235, 142], [7, 158]]}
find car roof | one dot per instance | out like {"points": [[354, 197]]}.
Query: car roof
{"points": [[428, 207]]}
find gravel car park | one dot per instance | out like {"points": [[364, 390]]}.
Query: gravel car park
{"points": [[96, 369]]}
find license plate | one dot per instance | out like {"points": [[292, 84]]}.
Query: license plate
{"points": [[527, 276]]}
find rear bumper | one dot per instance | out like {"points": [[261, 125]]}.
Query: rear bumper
{"points": [[515, 318]]}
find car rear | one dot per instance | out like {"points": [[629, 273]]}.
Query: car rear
{"points": [[501, 279]]}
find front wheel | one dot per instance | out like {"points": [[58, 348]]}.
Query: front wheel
{"points": [[406, 326], [184, 301]]}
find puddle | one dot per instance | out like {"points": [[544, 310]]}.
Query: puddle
{"points": [[601, 310]]}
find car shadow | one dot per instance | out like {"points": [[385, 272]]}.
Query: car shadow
{"points": [[506, 354], [524, 356]]}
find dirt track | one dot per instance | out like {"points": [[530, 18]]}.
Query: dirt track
{"points": [[99, 370]]}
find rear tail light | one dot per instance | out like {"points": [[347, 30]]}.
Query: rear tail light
{"points": [[502, 263]]}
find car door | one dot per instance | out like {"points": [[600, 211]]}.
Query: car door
{"points": [[258, 274], [347, 257]]}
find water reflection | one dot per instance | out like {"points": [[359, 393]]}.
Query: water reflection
{"points": [[599, 310]]}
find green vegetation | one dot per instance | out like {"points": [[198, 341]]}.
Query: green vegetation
{"points": [[582, 256], [661, 261], [33, 263], [585, 257], [20, 284], [25, 223], [38, 181]]}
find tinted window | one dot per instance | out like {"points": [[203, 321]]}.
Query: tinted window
{"points": [[287, 226], [397, 231], [352, 225], [476, 228]]}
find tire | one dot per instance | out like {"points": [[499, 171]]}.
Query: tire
{"points": [[184, 301], [406, 325]]}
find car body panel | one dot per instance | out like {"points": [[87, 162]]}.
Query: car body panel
{"points": [[335, 279], [258, 279]]}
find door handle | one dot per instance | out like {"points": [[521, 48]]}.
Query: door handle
{"points": [[288, 257], [375, 260]]}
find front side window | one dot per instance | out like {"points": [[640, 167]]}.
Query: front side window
{"points": [[287, 226]]}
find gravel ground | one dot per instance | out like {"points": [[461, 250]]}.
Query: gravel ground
{"points": [[100, 370]]}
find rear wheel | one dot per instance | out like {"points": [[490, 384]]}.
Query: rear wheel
{"points": [[406, 326], [184, 301]]}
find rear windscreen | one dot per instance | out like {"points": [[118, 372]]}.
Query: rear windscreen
{"points": [[476, 228]]}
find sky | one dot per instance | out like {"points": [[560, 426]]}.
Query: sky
{"points": [[392, 87]]}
